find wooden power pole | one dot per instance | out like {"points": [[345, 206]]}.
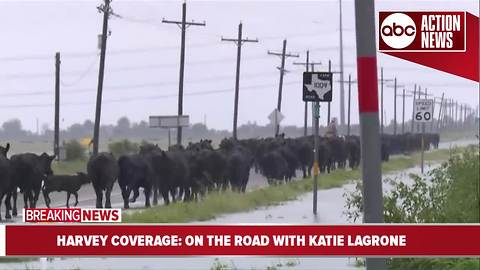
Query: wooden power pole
{"points": [[56, 137], [283, 55], [183, 26], [239, 41], [107, 11]]}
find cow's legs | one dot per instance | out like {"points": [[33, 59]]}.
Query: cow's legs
{"points": [[99, 194], [14, 195], [76, 198], [35, 198], [147, 191], [8, 205], [136, 193], [68, 199]]}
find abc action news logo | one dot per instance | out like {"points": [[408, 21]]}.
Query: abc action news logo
{"points": [[422, 31], [75, 215]]}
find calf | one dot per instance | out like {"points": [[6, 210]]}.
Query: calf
{"points": [[69, 183]]}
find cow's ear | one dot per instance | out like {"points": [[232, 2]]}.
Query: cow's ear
{"points": [[52, 157], [7, 147]]}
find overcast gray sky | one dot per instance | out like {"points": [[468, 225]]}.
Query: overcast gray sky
{"points": [[142, 60]]}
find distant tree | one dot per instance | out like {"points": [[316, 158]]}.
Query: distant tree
{"points": [[13, 128], [199, 130], [122, 128]]}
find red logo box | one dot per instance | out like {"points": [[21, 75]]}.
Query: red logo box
{"points": [[422, 31]]}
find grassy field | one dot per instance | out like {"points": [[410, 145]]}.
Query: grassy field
{"points": [[230, 202]]}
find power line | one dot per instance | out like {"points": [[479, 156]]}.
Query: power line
{"points": [[136, 86], [82, 76], [150, 97]]}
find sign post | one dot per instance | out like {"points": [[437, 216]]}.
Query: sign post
{"points": [[423, 111], [317, 87], [168, 122], [275, 118]]}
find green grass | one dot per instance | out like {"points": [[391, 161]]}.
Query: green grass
{"points": [[216, 204], [17, 259]]}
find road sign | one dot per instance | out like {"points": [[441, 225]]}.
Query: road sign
{"points": [[276, 116], [317, 86], [169, 121], [423, 110]]}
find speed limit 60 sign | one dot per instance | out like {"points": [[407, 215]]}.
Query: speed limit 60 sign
{"points": [[423, 110]]}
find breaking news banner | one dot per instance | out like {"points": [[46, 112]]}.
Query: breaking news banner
{"points": [[267, 239], [80, 215]]}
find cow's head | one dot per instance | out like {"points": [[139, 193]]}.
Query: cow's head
{"points": [[83, 178], [4, 150], [45, 163]]}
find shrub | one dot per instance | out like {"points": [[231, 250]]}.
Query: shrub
{"points": [[448, 194], [124, 147], [74, 151]]}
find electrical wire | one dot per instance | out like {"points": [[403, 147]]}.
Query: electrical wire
{"points": [[82, 76], [151, 97]]}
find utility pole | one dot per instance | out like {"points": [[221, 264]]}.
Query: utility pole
{"points": [[342, 91], [329, 103], [456, 114], [328, 114], [183, 26], [441, 113], [107, 11], [395, 107], [56, 137], [239, 41], [283, 55], [395, 86], [433, 114], [403, 109], [382, 81], [413, 106], [350, 82], [368, 108], [306, 64]]}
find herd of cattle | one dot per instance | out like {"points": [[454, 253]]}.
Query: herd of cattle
{"points": [[186, 173]]}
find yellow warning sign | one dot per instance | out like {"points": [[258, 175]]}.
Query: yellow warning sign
{"points": [[85, 142], [315, 168]]}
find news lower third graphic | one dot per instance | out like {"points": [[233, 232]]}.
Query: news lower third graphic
{"points": [[251, 239]]}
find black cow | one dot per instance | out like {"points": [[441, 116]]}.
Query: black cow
{"points": [[135, 171], [239, 161], [172, 173], [353, 151], [6, 183], [69, 183], [102, 170], [28, 172]]}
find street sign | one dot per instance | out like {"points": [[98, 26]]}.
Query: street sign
{"points": [[168, 121], [276, 116], [317, 86], [423, 110]]}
